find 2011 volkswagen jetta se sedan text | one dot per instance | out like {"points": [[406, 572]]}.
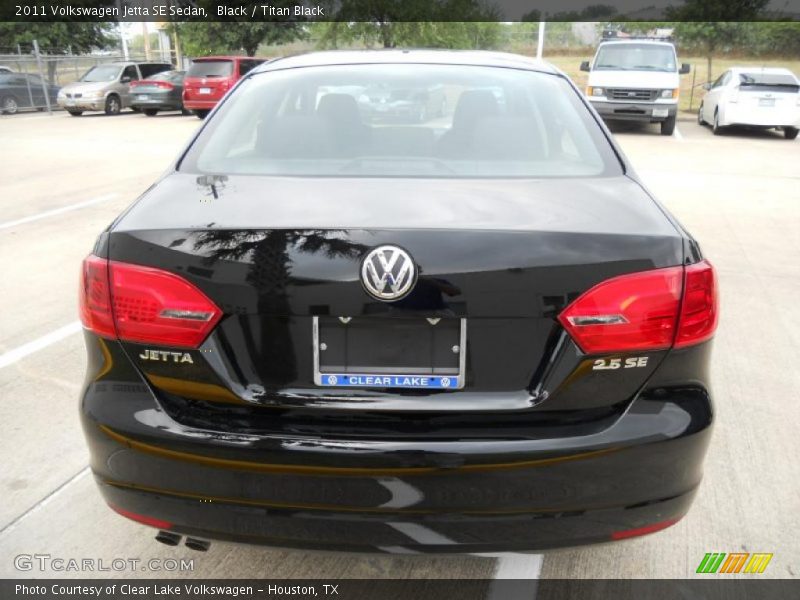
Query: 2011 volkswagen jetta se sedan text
{"points": [[469, 331]]}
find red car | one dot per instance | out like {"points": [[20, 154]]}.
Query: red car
{"points": [[209, 78]]}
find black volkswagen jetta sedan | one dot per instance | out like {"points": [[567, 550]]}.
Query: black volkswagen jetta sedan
{"points": [[472, 332]]}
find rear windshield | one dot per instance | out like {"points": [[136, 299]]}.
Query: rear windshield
{"points": [[635, 57], [166, 76], [404, 121], [779, 82], [211, 68], [102, 73]]}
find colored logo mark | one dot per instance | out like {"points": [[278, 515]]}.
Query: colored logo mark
{"points": [[735, 562]]}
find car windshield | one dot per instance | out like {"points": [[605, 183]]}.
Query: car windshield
{"points": [[102, 73], [210, 68], [453, 121], [635, 57]]}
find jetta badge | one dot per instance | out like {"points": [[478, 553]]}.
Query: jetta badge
{"points": [[388, 273]]}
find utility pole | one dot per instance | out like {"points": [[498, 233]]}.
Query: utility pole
{"points": [[41, 76], [540, 47], [146, 39]]}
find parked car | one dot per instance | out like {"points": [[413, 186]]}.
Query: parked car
{"points": [[106, 87], [763, 98], [489, 338], [23, 90], [417, 104], [636, 79], [208, 80], [162, 91], [5, 69]]}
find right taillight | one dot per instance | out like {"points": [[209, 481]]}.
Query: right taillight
{"points": [[651, 310], [144, 305], [700, 306]]}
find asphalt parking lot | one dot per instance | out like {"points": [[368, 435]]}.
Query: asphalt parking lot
{"points": [[64, 179]]}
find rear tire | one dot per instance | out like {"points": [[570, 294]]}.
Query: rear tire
{"points": [[668, 126], [700, 120], [113, 105], [151, 112], [790, 133], [75, 113], [201, 114], [9, 105]]}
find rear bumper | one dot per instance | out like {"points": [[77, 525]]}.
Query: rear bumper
{"points": [[733, 115], [396, 532], [199, 104], [634, 111], [159, 104], [377, 495]]}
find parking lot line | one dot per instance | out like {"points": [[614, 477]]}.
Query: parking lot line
{"points": [[57, 211], [44, 501], [677, 133], [12, 356]]}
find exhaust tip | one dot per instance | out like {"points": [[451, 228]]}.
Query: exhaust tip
{"points": [[199, 545], [168, 538]]}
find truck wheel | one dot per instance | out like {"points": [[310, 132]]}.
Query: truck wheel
{"points": [[113, 105], [790, 133], [668, 126]]}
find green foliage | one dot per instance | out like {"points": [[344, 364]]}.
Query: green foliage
{"points": [[203, 38], [207, 38], [412, 23], [57, 38], [429, 34], [717, 10]]}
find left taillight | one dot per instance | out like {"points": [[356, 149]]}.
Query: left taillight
{"points": [[144, 305]]}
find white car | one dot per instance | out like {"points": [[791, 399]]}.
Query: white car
{"points": [[5, 69], [753, 97]]}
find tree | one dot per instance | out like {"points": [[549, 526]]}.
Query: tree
{"points": [[415, 23], [204, 38], [57, 38], [238, 34], [713, 23]]}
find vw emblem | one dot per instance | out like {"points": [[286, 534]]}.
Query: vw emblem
{"points": [[388, 273]]}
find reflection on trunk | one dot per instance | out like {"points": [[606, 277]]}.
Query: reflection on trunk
{"points": [[267, 252]]}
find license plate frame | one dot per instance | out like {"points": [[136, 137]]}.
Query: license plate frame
{"points": [[392, 377]]}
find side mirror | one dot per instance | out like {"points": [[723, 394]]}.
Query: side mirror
{"points": [[585, 65], [685, 68], [125, 79], [706, 86]]}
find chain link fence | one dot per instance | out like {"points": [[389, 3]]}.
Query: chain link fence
{"points": [[30, 77]]}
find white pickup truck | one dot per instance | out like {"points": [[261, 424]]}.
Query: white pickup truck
{"points": [[635, 79]]}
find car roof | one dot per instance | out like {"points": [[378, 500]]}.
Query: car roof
{"points": [[408, 56], [237, 57], [770, 70], [637, 41], [124, 63]]}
